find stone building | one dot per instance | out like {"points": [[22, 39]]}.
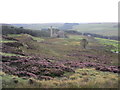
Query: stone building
{"points": [[56, 33]]}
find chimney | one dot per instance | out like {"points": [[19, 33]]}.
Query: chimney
{"points": [[51, 32]]}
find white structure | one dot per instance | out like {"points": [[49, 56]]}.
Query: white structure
{"points": [[56, 33], [51, 32]]}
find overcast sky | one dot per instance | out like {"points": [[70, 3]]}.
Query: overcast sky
{"points": [[52, 11]]}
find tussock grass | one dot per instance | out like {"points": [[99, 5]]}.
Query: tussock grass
{"points": [[92, 79]]}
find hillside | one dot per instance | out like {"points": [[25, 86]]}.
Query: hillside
{"points": [[105, 29], [40, 62]]}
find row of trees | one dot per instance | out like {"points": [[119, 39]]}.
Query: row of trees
{"points": [[50, 32], [73, 32], [92, 34], [9, 29], [101, 36]]}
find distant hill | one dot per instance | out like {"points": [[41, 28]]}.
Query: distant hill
{"points": [[39, 26], [61, 26], [68, 26], [106, 29]]}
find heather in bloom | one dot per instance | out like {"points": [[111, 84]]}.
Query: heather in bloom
{"points": [[30, 67]]}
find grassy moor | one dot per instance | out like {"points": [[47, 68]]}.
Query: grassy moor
{"points": [[60, 56]]}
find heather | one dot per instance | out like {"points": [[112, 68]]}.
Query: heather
{"points": [[42, 62]]}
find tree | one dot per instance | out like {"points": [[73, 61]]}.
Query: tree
{"points": [[12, 27], [84, 43], [21, 27]]}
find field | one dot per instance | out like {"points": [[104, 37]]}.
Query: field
{"points": [[114, 45], [41, 62], [105, 29]]}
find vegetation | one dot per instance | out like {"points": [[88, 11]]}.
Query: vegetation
{"points": [[9, 29], [31, 61], [82, 78], [111, 45], [8, 54], [105, 29], [101, 36], [84, 43], [6, 41]]}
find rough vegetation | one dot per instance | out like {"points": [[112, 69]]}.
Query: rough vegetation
{"points": [[37, 62]]}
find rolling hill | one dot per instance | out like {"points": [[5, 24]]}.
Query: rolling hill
{"points": [[105, 29]]}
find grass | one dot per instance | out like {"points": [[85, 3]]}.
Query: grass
{"points": [[60, 48], [75, 37], [9, 54], [39, 39], [105, 29], [82, 78], [113, 43], [8, 82], [7, 41], [14, 35]]}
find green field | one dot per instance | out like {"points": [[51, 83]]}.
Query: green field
{"points": [[105, 29], [113, 45]]}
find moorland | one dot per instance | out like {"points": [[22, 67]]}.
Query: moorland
{"points": [[33, 59]]}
